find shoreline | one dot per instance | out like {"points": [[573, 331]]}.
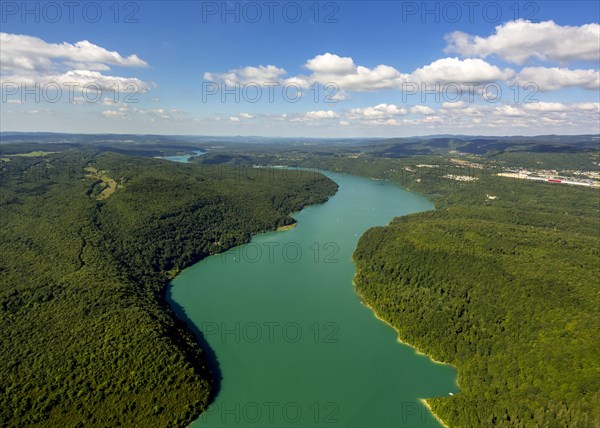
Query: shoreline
{"points": [[287, 227], [417, 351], [428, 407]]}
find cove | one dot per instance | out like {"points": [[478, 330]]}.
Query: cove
{"points": [[294, 345]]}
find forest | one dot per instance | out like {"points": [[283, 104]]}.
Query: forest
{"points": [[87, 336], [501, 280], [503, 288]]}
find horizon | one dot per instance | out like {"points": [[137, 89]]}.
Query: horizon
{"points": [[304, 138]]}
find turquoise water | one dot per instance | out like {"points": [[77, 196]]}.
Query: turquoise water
{"points": [[183, 158], [293, 343]]}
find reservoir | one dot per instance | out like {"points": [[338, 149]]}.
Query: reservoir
{"points": [[182, 158], [295, 347]]}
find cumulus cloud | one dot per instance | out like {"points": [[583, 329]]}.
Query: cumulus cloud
{"points": [[27, 60], [331, 64], [545, 107], [125, 111], [343, 75], [311, 116], [260, 75], [321, 114], [424, 110], [509, 111], [553, 78], [346, 75], [587, 106], [432, 119], [459, 71], [114, 114], [240, 117], [341, 72], [520, 41], [378, 111], [458, 116], [454, 105], [27, 53], [75, 80]]}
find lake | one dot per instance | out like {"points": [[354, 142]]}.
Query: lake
{"points": [[182, 158], [295, 347]]}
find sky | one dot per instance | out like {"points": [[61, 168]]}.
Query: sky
{"points": [[301, 68]]}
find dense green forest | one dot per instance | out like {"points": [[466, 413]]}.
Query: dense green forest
{"points": [[502, 282], [89, 241]]}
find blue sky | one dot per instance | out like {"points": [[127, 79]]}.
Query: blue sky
{"points": [[395, 68]]}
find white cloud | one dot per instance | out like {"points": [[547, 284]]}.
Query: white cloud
{"points": [[551, 121], [557, 117], [368, 79], [344, 123], [543, 106], [519, 41], [378, 111], [509, 111], [561, 109], [458, 71], [115, 114], [460, 109], [312, 116], [44, 111], [241, 116], [261, 75], [158, 113], [336, 95], [454, 105], [473, 111], [587, 107], [331, 64], [27, 53], [327, 68], [551, 79], [321, 114], [27, 60], [346, 75], [152, 115], [107, 101], [432, 119], [422, 110], [94, 79]]}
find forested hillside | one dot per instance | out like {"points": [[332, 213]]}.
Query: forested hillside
{"points": [[502, 282], [88, 244]]}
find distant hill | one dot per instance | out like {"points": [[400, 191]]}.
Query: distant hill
{"points": [[480, 145]]}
